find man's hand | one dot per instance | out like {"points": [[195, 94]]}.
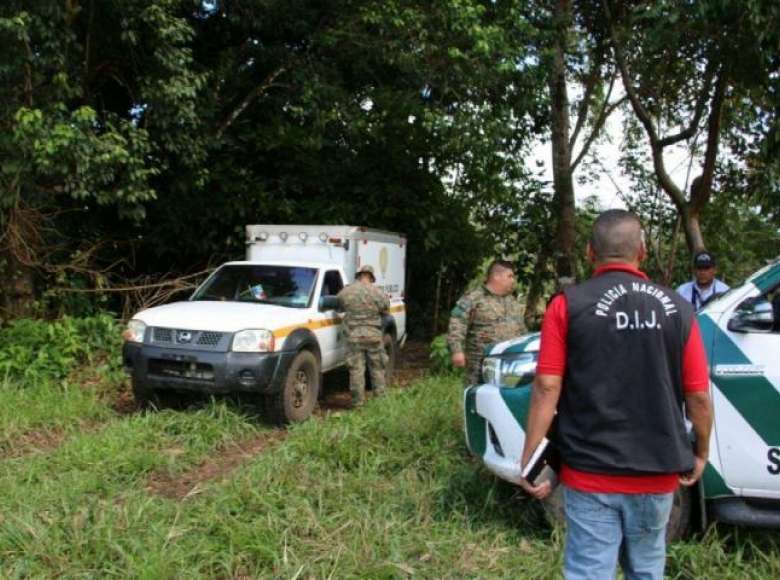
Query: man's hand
{"points": [[541, 491], [458, 360], [688, 479]]}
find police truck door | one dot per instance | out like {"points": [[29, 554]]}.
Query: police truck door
{"points": [[746, 376]]}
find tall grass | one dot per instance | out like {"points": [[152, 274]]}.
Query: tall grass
{"points": [[385, 492]]}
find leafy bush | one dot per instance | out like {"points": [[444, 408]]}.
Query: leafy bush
{"points": [[441, 358], [33, 350]]}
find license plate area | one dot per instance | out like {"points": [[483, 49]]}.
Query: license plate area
{"points": [[181, 367]]}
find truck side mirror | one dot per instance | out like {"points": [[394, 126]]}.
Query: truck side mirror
{"points": [[328, 303], [752, 316]]}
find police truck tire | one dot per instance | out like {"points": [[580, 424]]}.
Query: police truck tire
{"points": [[680, 518], [297, 398], [553, 509], [388, 342]]}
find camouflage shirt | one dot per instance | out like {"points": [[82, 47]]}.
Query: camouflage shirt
{"points": [[363, 305], [481, 317]]}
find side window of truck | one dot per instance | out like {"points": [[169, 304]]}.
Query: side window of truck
{"points": [[332, 283], [759, 314]]}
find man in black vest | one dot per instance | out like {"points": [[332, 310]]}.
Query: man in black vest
{"points": [[619, 356]]}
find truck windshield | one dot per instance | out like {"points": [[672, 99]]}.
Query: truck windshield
{"points": [[280, 285]]}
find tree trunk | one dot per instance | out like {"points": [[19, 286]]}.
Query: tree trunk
{"points": [[693, 235], [535, 288], [563, 182], [18, 293]]}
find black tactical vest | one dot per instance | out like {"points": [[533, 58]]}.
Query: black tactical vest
{"points": [[620, 411]]}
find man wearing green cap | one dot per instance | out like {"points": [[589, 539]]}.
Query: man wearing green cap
{"points": [[363, 305]]}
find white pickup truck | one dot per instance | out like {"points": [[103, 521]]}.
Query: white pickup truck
{"points": [[269, 324]]}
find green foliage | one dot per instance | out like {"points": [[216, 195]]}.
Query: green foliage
{"points": [[38, 350], [440, 356]]}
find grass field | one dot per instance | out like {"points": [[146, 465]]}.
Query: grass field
{"points": [[385, 492]]}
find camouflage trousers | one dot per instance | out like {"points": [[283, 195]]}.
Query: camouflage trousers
{"points": [[357, 355], [473, 371]]}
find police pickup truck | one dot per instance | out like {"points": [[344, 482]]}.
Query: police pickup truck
{"points": [[741, 483], [267, 325]]}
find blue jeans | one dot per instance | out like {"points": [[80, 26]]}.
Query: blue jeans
{"points": [[604, 528]]}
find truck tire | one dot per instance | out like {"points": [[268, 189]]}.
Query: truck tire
{"points": [[553, 509], [680, 518], [148, 398], [388, 342], [298, 396], [676, 529]]}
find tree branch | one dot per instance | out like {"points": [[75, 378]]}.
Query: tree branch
{"points": [[591, 79], [702, 186], [675, 193], [636, 104], [606, 111], [247, 100], [690, 131]]}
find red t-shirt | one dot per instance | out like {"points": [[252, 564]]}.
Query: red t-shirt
{"points": [[552, 361]]}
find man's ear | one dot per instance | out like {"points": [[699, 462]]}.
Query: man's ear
{"points": [[642, 252]]}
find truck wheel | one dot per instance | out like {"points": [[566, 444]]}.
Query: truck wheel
{"points": [[680, 518], [295, 401], [676, 529], [147, 398], [553, 509], [388, 342]]}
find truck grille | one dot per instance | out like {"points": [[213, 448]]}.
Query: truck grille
{"points": [[194, 339], [181, 369], [162, 335], [209, 338]]}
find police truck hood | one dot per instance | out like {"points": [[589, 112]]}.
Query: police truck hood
{"points": [[220, 316]]}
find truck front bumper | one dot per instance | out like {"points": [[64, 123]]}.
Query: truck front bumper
{"points": [[205, 371]]}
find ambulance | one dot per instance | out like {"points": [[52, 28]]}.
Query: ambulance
{"points": [[741, 483], [267, 325]]}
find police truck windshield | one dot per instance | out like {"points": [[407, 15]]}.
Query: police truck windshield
{"points": [[279, 285]]}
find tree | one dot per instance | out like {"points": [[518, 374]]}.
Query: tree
{"points": [[696, 71], [73, 78]]}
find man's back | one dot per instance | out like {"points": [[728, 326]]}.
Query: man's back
{"points": [[623, 388], [363, 305]]}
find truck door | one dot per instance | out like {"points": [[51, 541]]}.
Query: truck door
{"points": [[745, 370], [330, 334]]}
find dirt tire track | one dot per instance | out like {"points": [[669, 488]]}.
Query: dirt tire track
{"points": [[413, 363], [220, 463], [43, 440]]}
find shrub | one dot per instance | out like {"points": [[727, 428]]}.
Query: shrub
{"points": [[32, 350], [441, 359]]}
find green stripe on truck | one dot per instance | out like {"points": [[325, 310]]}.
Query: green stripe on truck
{"points": [[754, 397]]}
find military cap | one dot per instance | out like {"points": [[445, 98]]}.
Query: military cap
{"points": [[365, 270]]}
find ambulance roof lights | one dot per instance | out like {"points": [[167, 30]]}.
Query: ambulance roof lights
{"points": [[323, 237], [303, 236], [283, 236], [262, 237]]}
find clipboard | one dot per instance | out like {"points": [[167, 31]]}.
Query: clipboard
{"points": [[544, 464]]}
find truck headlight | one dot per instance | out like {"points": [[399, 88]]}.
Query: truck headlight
{"points": [[134, 332], [509, 371], [253, 340]]}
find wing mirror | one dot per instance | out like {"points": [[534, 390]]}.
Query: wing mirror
{"points": [[328, 303], [752, 316]]}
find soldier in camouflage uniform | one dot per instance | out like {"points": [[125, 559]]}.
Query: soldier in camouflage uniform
{"points": [[490, 313], [364, 305]]}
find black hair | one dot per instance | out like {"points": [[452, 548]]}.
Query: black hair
{"points": [[497, 265], [617, 234]]}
